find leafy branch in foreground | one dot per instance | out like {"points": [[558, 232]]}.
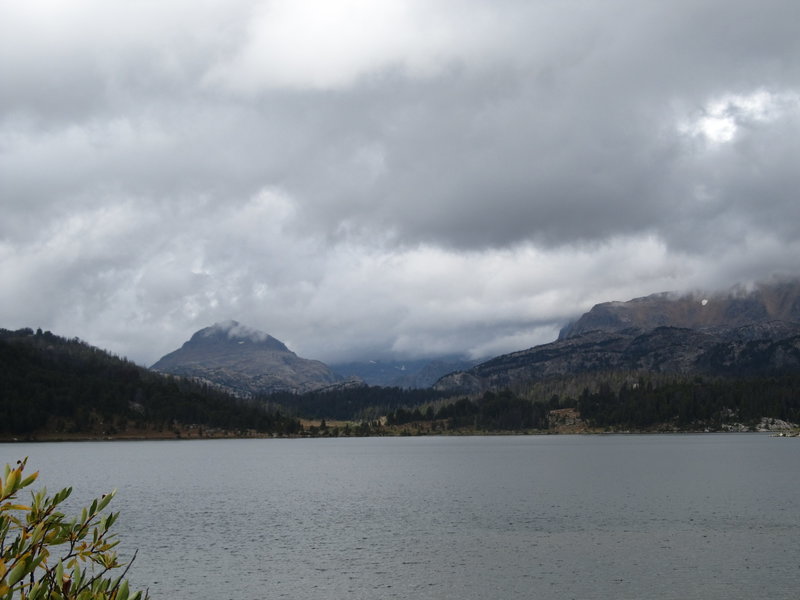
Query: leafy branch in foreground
{"points": [[44, 555]]}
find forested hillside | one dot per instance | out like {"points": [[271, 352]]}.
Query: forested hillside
{"points": [[53, 385], [644, 404], [355, 403]]}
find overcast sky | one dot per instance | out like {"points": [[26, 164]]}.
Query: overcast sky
{"points": [[365, 177]]}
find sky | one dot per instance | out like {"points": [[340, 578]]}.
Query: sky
{"points": [[373, 178]]}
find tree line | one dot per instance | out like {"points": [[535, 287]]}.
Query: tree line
{"points": [[351, 403], [693, 403], [493, 411], [683, 404], [52, 384]]}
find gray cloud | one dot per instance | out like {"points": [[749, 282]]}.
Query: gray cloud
{"points": [[410, 176]]}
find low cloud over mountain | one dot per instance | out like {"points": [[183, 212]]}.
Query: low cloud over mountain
{"points": [[403, 178], [245, 361]]}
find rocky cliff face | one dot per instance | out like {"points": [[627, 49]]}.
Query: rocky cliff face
{"points": [[777, 301], [753, 333], [246, 361], [661, 350]]}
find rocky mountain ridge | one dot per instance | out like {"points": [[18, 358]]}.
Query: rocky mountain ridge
{"points": [[742, 333], [777, 301], [245, 361]]}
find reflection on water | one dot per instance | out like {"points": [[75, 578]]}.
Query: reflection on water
{"points": [[679, 516]]}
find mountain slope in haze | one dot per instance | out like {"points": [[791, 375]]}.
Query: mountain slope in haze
{"points": [[410, 374], [766, 302], [753, 334], [245, 360]]}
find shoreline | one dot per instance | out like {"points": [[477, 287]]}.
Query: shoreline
{"points": [[50, 438]]}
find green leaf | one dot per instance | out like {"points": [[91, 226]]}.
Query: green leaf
{"points": [[17, 573], [106, 499], [37, 590], [123, 591], [11, 483], [29, 479]]}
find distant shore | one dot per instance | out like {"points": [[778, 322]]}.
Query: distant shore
{"points": [[238, 435]]}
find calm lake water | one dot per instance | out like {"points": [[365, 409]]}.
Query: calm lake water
{"points": [[626, 516]]}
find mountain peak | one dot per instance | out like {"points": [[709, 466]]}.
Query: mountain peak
{"points": [[234, 332], [245, 360]]}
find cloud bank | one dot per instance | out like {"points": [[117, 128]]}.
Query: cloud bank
{"points": [[362, 179]]}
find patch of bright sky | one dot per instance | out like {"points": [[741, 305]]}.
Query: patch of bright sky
{"points": [[721, 118]]}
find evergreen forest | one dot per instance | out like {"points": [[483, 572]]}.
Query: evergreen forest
{"points": [[65, 386]]}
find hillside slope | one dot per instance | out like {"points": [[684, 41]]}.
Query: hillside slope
{"points": [[246, 361], [738, 334], [52, 385]]}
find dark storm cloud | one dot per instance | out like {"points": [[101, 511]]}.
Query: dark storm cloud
{"points": [[593, 152], [473, 175]]}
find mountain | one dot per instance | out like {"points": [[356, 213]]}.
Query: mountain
{"points": [[246, 361], [409, 374], [51, 386], [738, 334], [766, 302]]}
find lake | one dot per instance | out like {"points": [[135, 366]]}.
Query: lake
{"points": [[585, 517]]}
